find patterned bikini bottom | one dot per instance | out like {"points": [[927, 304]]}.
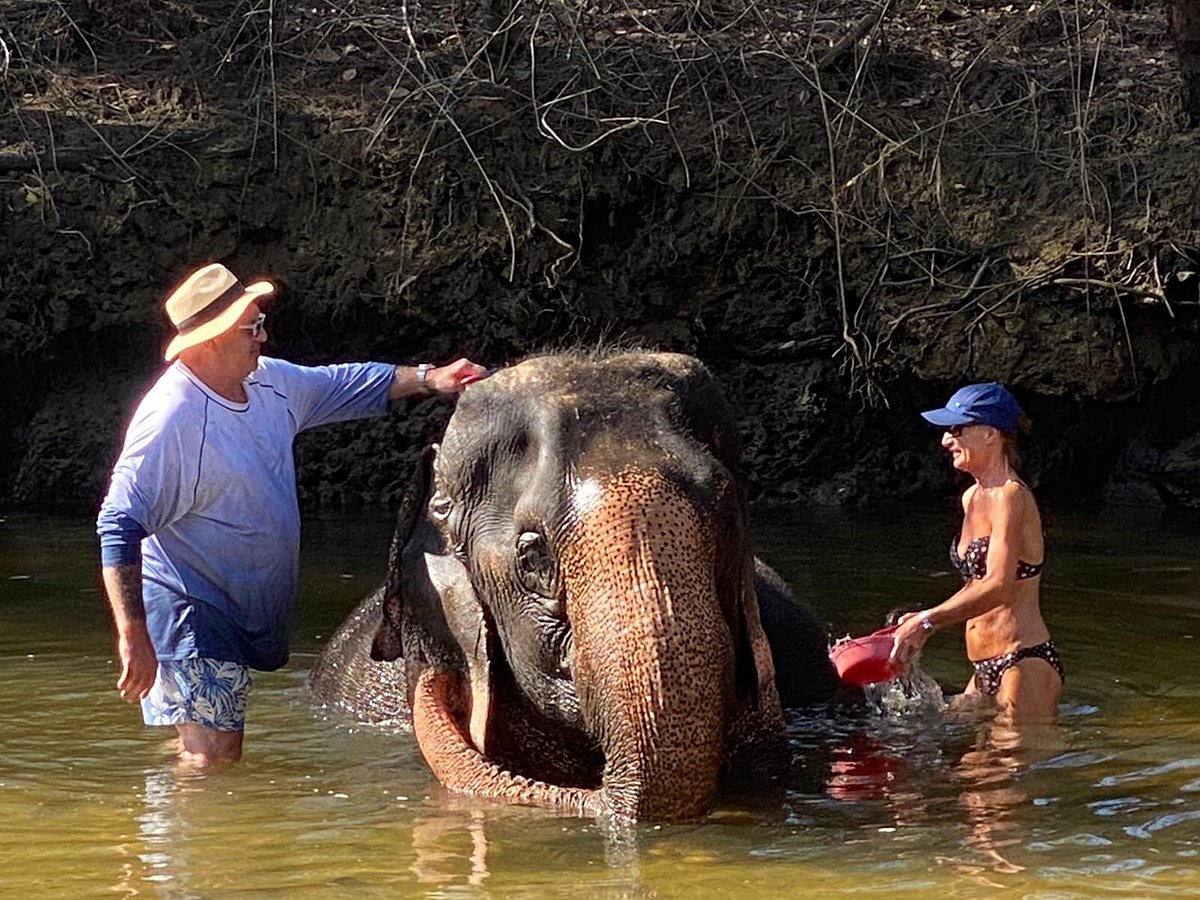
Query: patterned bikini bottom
{"points": [[989, 672]]}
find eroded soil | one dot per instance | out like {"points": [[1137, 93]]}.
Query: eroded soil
{"points": [[845, 209]]}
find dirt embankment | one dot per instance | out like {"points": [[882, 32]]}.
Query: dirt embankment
{"points": [[846, 210]]}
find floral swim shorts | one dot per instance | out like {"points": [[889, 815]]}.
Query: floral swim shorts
{"points": [[208, 692]]}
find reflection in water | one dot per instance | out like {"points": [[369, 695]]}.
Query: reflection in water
{"points": [[1001, 753], [161, 858], [991, 772], [863, 765], [876, 763], [437, 859], [621, 851], [862, 769], [452, 851], [992, 795]]}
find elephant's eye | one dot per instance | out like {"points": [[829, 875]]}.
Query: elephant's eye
{"points": [[535, 564], [440, 506]]}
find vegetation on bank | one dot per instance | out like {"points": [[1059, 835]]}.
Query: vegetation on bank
{"points": [[845, 209]]}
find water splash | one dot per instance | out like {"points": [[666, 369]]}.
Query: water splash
{"points": [[912, 695]]}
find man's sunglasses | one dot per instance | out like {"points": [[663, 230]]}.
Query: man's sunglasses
{"points": [[256, 327], [956, 430]]}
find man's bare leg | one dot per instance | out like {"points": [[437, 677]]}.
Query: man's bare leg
{"points": [[202, 746]]}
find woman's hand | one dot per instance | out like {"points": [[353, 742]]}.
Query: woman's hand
{"points": [[908, 639]]}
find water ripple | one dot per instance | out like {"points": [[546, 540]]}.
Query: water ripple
{"points": [[1151, 772], [1166, 821]]}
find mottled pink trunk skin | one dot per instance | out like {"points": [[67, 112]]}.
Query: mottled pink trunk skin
{"points": [[653, 653]]}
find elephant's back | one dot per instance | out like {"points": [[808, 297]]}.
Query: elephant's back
{"points": [[799, 642], [346, 679]]}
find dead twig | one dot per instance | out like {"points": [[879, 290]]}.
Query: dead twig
{"points": [[555, 275], [861, 28], [449, 118], [1100, 284], [847, 333]]}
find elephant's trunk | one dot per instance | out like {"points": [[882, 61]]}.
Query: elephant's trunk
{"points": [[458, 764], [653, 655]]}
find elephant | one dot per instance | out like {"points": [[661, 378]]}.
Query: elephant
{"points": [[573, 616]]}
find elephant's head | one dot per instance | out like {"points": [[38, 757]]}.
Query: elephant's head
{"points": [[575, 598]]}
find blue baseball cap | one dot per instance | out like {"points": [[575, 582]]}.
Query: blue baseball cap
{"points": [[978, 404]]}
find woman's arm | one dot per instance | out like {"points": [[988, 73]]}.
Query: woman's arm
{"points": [[979, 595]]}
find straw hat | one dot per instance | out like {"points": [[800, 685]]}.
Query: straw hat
{"points": [[208, 303]]}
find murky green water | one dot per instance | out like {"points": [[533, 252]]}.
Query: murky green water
{"points": [[1108, 803]]}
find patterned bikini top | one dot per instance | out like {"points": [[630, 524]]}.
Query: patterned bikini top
{"points": [[973, 563]]}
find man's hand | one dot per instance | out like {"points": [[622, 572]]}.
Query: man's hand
{"points": [[452, 378], [427, 379], [139, 664]]}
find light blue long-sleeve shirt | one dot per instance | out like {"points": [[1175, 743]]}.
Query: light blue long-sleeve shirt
{"points": [[209, 488]]}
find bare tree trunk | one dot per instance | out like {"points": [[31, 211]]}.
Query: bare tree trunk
{"points": [[1185, 29]]}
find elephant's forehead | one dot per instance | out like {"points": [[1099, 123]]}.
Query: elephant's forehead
{"points": [[628, 491], [529, 397], [605, 407], [581, 369], [519, 377]]}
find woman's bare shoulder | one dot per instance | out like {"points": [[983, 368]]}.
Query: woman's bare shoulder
{"points": [[1018, 500], [1016, 491]]}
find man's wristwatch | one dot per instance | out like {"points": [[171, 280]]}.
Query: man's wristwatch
{"points": [[927, 626], [423, 374]]}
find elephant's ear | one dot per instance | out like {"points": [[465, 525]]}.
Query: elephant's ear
{"points": [[388, 643], [430, 609], [754, 667], [764, 692]]}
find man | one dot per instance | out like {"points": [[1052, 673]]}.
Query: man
{"points": [[200, 530]]}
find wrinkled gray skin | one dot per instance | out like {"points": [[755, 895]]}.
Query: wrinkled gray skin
{"points": [[573, 616]]}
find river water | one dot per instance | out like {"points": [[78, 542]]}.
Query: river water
{"points": [[1105, 803]]}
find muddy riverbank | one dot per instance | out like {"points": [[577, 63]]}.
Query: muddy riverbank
{"points": [[845, 211]]}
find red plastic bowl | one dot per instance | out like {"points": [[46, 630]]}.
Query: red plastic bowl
{"points": [[864, 660]]}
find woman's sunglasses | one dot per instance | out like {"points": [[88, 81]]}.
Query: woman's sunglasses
{"points": [[256, 327], [956, 430]]}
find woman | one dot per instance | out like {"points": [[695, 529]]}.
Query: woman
{"points": [[999, 552]]}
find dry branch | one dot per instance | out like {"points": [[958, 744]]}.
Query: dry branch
{"points": [[889, 177]]}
